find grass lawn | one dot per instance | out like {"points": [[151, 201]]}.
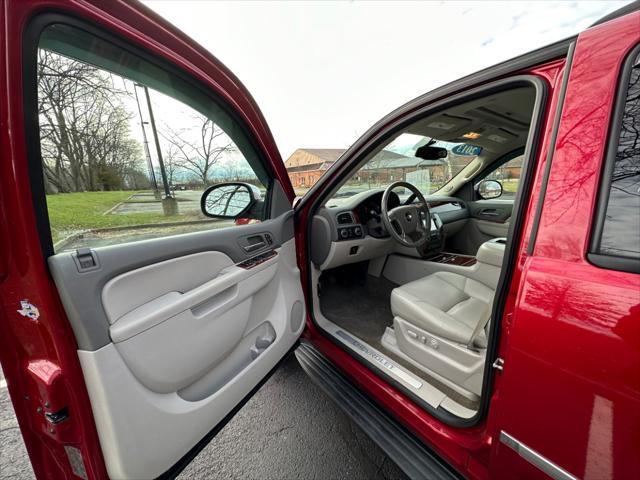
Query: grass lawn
{"points": [[510, 186], [71, 212]]}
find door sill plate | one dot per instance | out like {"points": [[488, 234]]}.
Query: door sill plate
{"points": [[379, 359]]}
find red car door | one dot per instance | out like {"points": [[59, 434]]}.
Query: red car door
{"points": [[122, 359], [569, 392]]}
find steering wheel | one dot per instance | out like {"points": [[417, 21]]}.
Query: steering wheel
{"points": [[410, 225]]}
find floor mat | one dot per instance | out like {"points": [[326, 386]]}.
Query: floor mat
{"points": [[363, 308]]}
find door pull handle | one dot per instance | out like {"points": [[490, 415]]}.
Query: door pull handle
{"points": [[254, 246], [489, 213]]}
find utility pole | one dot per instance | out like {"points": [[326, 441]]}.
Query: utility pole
{"points": [[167, 192], [169, 204], [152, 174]]}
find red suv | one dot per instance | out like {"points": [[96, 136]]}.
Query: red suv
{"points": [[463, 281]]}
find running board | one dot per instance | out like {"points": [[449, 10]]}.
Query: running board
{"points": [[415, 460]]}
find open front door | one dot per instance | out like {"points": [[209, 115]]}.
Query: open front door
{"points": [[132, 323]]}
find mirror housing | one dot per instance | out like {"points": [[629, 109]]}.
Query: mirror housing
{"points": [[231, 200], [427, 152], [489, 189]]}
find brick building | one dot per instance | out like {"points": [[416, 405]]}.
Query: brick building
{"points": [[306, 165]]}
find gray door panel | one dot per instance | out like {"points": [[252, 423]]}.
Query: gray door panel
{"points": [[174, 332], [498, 210], [208, 320], [80, 292], [487, 219]]}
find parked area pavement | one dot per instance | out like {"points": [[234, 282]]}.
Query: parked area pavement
{"points": [[289, 430], [145, 202]]}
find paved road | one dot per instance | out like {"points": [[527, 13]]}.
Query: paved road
{"points": [[289, 430]]}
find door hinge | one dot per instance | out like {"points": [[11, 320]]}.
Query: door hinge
{"points": [[498, 364]]}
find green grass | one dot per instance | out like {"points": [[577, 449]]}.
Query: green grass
{"points": [[71, 212], [510, 186]]}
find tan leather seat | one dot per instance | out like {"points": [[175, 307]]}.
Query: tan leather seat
{"points": [[445, 304]]}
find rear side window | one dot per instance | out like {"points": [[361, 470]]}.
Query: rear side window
{"points": [[618, 228]]}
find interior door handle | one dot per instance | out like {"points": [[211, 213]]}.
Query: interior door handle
{"points": [[255, 246], [489, 212], [257, 241]]}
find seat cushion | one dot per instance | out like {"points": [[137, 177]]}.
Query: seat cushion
{"points": [[446, 304]]}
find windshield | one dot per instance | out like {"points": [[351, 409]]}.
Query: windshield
{"points": [[397, 162]]}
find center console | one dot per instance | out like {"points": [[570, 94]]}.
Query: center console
{"points": [[454, 259], [485, 267], [490, 253]]}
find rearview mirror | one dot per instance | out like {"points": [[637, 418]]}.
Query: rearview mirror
{"points": [[488, 189], [427, 152], [229, 200]]}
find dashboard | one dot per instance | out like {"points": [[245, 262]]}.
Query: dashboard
{"points": [[369, 213], [347, 230]]}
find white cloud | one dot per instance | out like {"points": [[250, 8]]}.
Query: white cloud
{"points": [[324, 72]]}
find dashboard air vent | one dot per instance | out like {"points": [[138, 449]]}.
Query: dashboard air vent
{"points": [[344, 218]]}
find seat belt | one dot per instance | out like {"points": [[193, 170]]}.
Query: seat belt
{"points": [[479, 327]]}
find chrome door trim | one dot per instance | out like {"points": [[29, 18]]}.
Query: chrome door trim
{"points": [[533, 457]]}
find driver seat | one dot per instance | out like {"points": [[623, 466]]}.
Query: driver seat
{"points": [[440, 322]]}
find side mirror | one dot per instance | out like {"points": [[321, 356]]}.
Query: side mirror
{"points": [[488, 189], [229, 200]]}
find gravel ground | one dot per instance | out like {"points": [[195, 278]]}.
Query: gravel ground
{"points": [[14, 463], [289, 430]]}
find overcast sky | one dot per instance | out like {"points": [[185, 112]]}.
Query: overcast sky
{"points": [[324, 72]]}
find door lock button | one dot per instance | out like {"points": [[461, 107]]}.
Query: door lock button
{"points": [[86, 260]]}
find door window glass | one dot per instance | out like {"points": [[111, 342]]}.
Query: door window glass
{"points": [[621, 228], [127, 147], [508, 174]]}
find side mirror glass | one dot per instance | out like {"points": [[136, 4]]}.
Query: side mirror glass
{"points": [[229, 200], [488, 189]]}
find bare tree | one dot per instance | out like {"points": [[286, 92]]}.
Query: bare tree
{"points": [[627, 163], [199, 155], [232, 170], [84, 127], [171, 162]]}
